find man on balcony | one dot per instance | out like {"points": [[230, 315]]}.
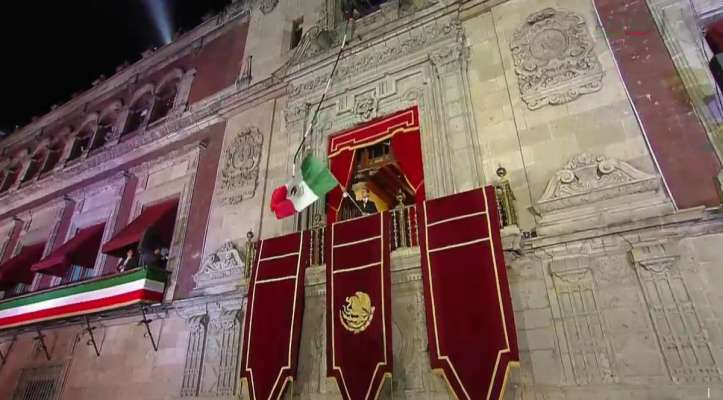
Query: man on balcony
{"points": [[366, 204]]}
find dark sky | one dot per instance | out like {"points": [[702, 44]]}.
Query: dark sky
{"points": [[55, 48]]}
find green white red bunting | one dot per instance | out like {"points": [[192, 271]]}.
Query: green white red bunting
{"points": [[144, 285], [314, 183]]}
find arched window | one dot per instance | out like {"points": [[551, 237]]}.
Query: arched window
{"points": [[165, 99], [36, 162], [138, 113], [104, 131], [53, 156], [11, 175], [81, 143]]}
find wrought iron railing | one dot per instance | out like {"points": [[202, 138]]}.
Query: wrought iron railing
{"points": [[403, 227]]}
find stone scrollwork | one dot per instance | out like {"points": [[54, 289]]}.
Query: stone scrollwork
{"points": [[554, 59], [588, 178], [266, 6], [220, 271], [240, 172], [365, 107]]}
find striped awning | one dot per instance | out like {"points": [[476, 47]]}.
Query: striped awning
{"points": [[144, 285]]}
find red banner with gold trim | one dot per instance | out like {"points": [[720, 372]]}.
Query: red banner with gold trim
{"points": [[273, 315], [359, 336], [470, 323]]}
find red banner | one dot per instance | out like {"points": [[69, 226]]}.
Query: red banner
{"points": [[273, 315], [470, 322], [358, 309]]}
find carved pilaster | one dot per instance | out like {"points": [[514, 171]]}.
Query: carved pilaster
{"points": [[585, 346], [184, 90], [686, 349], [211, 370]]}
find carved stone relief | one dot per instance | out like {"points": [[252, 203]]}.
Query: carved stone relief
{"points": [[211, 370], [365, 107], [589, 178], [240, 171], [686, 349], [554, 59], [221, 271], [266, 6], [585, 349]]}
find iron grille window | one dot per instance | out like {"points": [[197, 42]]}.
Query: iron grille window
{"points": [[40, 383]]}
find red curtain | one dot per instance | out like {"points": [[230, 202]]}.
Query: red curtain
{"points": [[160, 216], [470, 323], [17, 269], [81, 250], [714, 36], [406, 147], [403, 130]]}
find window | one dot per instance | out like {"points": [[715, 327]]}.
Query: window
{"points": [[40, 383], [360, 8], [297, 32], [138, 113], [81, 143], [104, 131], [52, 158], [34, 167], [164, 100], [17, 290], [11, 175]]}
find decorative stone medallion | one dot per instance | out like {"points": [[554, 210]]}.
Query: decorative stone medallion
{"points": [[554, 59], [240, 172]]}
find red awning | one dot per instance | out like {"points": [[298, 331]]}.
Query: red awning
{"points": [[17, 269], [714, 36], [81, 250], [160, 216]]}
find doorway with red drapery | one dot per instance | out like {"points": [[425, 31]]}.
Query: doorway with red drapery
{"points": [[384, 155]]}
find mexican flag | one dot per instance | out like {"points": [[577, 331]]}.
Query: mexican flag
{"points": [[314, 182]]}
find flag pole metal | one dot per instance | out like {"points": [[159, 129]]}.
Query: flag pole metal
{"points": [[345, 194], [323, 96]]}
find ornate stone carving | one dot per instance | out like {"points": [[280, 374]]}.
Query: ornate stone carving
{"points": [[589, 178], [365, 107], [554, 59], [240, 172], [221, 271], [687, 351], [266, 6], [418, 39]]}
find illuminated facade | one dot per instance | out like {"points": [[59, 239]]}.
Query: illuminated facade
{"points": [[610, 193]]}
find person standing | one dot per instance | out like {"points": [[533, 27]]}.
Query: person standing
{"points": [[366, 204]]}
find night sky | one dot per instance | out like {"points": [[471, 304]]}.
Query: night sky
{"points": [[53, 49]]}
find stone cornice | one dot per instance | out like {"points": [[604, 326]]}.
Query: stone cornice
{"points": [[146, 66], [176, 128]]}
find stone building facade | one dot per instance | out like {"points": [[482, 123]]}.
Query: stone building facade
{"points": [[594, 109]]}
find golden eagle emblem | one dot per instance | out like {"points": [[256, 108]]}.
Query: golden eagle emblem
{"points": [[356, 315]]}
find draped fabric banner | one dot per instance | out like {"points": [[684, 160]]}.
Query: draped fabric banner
{"points": [[359, 321], [402, 128], [470, 323], [273, 315]]}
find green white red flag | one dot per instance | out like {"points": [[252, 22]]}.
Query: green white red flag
{"points": [[314, 182]]}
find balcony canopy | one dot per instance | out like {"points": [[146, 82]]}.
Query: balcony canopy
{"points": [[81, 250], [17, 269], [160, 217]]}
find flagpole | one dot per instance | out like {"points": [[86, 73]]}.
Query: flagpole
{"points": [[323, 96], [345, 194]]}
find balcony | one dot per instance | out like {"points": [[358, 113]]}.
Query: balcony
{"points": [[129, 290]]}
